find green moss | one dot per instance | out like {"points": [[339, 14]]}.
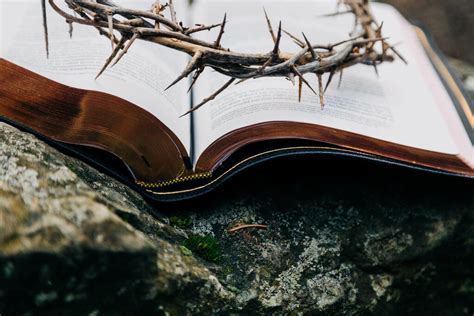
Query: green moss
{"points": [[181, 222], [185, 251], [206, 247]]}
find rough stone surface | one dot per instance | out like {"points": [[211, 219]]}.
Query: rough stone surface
{"points": [[74, 241]]}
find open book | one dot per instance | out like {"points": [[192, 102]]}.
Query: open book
{"points": [[414, 114]]}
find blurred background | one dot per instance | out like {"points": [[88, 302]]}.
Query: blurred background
{"points": [[450, 21]]}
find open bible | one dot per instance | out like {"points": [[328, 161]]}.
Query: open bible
{"points": [[414, 115]]}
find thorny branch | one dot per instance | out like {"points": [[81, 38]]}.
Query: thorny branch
{"points": [[154, 26]]}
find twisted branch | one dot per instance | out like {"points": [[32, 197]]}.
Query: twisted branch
{"points": [[154, 26]]}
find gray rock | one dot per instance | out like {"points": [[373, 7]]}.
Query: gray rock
{"points": [[67, 244]]}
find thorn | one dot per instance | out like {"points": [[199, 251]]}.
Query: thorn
{"points": [[201, 28], [399, 55], [300, 89], [270, 28], [374, 63], [180, 77], [125, 50], [266, 64], [310, 47], [340, 78], [331, 47], [303, 79], [71, 29], [195, 78], [379, 30], [331, 75], [189, 69], [276, 49], [110, 20], [297, 41], [45, 27], [210, 98], [111, 57], [321, 90], [217, 44], [336, 14]]}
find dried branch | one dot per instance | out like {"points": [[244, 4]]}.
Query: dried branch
{"points": [[246, 226], [154, 26]]}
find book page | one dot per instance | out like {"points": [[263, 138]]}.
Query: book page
{"points": [[396, 106], [140, 77]]}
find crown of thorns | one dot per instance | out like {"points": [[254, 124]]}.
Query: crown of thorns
{"points": [[160, 25]]}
